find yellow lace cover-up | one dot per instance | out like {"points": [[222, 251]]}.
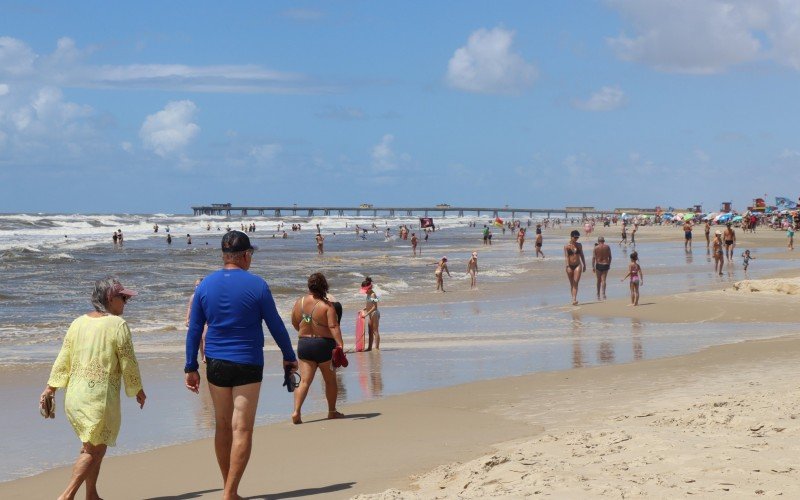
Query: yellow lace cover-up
{"points": [[96, 353]]}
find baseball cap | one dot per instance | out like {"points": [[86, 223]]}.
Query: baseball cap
{"points": [[236, 241]]}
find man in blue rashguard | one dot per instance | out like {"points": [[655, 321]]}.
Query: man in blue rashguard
{"points": [[233, 303]]}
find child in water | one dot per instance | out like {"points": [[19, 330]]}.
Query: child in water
{"points": [[747, 258], [637, 278]]}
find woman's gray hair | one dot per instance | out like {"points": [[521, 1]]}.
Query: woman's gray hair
{"points": [[102, 292]]}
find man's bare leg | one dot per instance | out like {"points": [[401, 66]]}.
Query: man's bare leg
{"points": [[245, 403], [223, 433]]}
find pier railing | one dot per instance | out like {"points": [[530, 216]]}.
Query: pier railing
{"points": [[391, 211]]}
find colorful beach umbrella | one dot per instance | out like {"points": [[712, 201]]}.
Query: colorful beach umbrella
{"points": [[688, 216], [737, 218]]}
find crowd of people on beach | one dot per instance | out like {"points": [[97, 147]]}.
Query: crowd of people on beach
{"points": [[224, 333]]}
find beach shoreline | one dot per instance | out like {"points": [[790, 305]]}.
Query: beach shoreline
{"points": [[431, 432]]}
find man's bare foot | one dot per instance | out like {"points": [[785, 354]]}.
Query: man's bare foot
{"points": [[296, 419], [335, 414]]}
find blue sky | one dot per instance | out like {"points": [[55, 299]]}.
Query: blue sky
{"points": [[155, 106]]}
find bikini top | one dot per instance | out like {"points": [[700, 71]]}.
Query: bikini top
{"points": [[308, 318], [571, 250]]}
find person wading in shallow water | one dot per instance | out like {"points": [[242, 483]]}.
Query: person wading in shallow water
{"points": [[601, 263], [576, 263]]}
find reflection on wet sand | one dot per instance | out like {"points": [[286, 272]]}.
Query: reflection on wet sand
{"points": [[636, 336], [370, 376], [577, 334]]}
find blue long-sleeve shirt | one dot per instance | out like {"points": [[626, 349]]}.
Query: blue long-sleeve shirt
{"points": [[233, 303]]}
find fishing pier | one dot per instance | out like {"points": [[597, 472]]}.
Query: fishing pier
{"points": [[229, 210]]}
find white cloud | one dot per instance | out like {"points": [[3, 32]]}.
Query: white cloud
{"points": [[383, 157], [67, 67], [487, 65], [265, 153], [708, 36], [171, 129], [605, 99], [16, 58], [4, 89], [127, 147]]}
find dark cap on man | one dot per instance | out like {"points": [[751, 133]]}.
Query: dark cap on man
{"points": [[236, 241]]}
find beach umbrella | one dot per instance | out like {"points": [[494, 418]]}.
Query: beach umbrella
{"points": [[688, 216], [723, 218], [737, 218], [710, 216]]}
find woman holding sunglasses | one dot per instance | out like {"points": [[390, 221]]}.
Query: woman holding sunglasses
{"points": [[97, 353], [314, 318]]}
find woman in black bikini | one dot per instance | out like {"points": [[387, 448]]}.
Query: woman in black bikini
{"points": [[576, 263], [314, 317]]}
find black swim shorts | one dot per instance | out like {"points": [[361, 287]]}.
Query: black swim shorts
{"points": [[229, 374], [602, 267], [316, 349]]}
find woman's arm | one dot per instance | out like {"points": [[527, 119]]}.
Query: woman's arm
{"points": [[296, 315], [580, 255], [128, 364]]}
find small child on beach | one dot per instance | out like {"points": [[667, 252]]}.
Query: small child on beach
{"points": [[747, 258], [637, 278]]}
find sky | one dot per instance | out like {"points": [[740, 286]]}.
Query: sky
{"points": [[152, 107]]}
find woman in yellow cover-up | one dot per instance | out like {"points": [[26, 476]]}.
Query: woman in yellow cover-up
{"points": [[96, 355]]}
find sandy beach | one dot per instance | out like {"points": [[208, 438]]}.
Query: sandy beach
{"points": [[722, 421], [717, 422]]}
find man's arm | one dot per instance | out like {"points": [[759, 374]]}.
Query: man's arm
{"points": [[197, 320]]}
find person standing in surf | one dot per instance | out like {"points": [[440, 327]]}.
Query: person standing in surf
{"points": [[371, 314], [729, 236], [719, 253], [320, 242], [538, 243], [521, 238], [576, 263], [687, 235], [472, 270], [441, 267], [414, 242]]}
